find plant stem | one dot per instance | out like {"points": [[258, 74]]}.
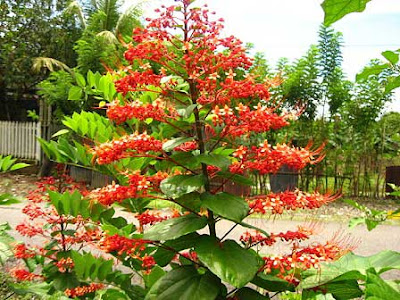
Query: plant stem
{"points": [[199, 128]]}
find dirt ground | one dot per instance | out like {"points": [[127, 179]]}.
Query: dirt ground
{"points": [[20, 185], [332, 221]]}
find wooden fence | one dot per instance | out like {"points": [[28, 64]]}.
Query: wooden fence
{"points": [[19, 139]]}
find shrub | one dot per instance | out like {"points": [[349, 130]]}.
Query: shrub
{"points": [[182, 127]]}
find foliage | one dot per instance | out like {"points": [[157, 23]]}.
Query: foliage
{"points": [[345, 277], [335, 10], [178, 128], [8, 163], [99, 48], [33, 29]]}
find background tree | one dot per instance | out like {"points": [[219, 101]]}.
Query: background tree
{"points": [[32, 29]]}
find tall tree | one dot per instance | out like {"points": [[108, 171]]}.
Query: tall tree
{"points": [[32, 29], [334, 88]]}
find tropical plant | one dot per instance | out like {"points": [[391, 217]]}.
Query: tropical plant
{"points": [[176, 131]]}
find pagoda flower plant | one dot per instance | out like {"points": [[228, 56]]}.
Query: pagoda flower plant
{"points": [[180, 129]]}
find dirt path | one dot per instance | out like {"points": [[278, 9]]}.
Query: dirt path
{"points": [[333, 219], [367, 242]]}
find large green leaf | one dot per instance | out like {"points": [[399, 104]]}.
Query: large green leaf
{"points": [[393, 83], [391, 56], [236, 178], [151, 278], [226, 205], [377, 289], [371, 70], [218, 160], [337, 9], [75, 93], [174, 228], [272, 283], [179, 185], [185, 283], [351, 267], [346, 289], [227, 260], [167, 251]]}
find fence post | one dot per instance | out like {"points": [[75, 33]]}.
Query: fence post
{"points": [[38, 134]]}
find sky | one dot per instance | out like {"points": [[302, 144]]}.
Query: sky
{"points": [[286, 28]]}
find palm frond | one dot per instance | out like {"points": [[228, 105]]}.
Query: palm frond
{"points": [[132, 12], [108, 36], [74, 8], [48, 63]]}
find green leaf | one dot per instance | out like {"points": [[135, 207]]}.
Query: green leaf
{"points": [[335, 10], [356, 221], [185, 283], [155, 274], [218, 160], [272, 283], [227, 260], [176, 186], [249, 294], [393, 83], [236, 178], [75, 93], [8, 199], [174, 228], [60, 132], [346, 289], [391, 56], [6, 163], [254, 227], [171, 144], [187, 111], [163, 256], [371, 70], [226, 205], [351, 266], [191, 201], [80, 80], [377, 289], [63, 281]]}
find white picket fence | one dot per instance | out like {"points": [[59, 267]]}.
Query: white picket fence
{"points": [[19, 139]]}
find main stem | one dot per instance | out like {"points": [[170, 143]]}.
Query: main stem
{"points": [[198, 126]]}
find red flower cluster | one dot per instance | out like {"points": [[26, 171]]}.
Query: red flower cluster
{"points": [[259, 239], [305, 258], [126, 146], [269, 159], [22, 274], [245, 120], [139, 186], [83, 290], [130, 247], [138, 110], [137, 80], [150, 218], [276, 203], [64, 264], [187, 146], [29, 229], [22, 252]]}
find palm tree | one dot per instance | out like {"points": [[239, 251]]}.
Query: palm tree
{"points": [[104, 30]]}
